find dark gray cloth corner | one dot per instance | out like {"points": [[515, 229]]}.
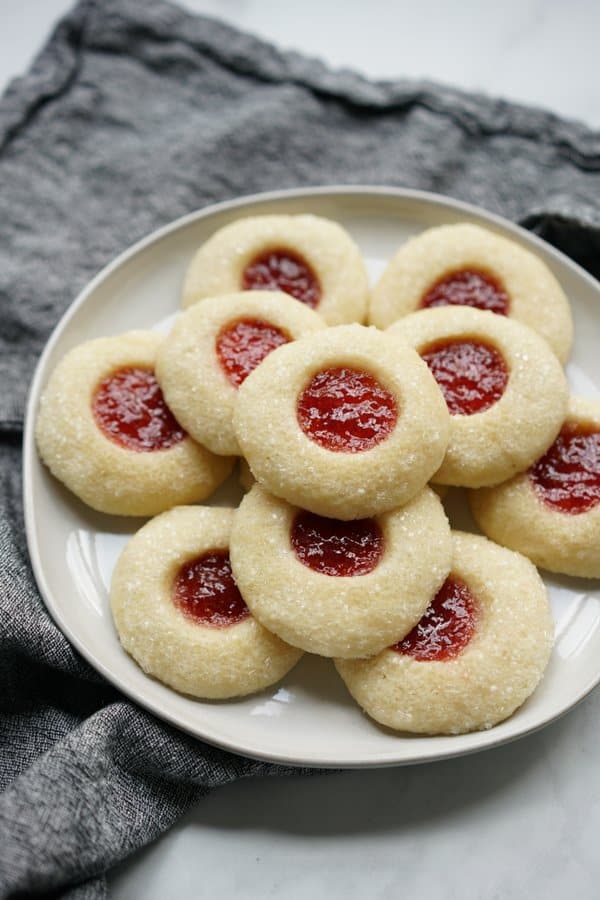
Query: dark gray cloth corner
{"points": [[133, 114]]}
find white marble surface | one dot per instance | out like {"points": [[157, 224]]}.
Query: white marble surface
{"points": [[541, 52], [515, 823], [518, 823]]}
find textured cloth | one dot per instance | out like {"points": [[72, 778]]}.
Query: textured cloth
{"points": [[134, 114]]}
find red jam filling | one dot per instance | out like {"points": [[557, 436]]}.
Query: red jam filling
{"points": [[332, 547], [446, 627], [204, 590], [567, 477], [472, 376], [130, 409], [242, 345], [345, 410], [282, 270], [468, 287]]}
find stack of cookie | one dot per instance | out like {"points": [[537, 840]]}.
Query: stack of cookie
{"points": [[341, 547]]}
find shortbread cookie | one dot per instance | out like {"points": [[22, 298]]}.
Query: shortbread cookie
{"points": [[505, 389], [339, 588], [478, 653], [211, 350], [180, 615], [467, 265], [551, 513], [104, 430], [346, 423], [313, 259]]}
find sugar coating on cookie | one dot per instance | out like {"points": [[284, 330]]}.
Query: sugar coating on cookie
{"points": [[311, 258], [339, 588], [505, 389], [551, 513], [104, 430], [469, 265], [212, 349], [346, 423], [475, 657], [179, 614]]}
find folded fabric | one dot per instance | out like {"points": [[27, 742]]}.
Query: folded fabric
{"points": [[132, 115]]}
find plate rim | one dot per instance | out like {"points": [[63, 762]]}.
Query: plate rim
{"points": [[484, 740]]}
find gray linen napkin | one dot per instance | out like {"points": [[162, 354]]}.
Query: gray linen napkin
{"points": [[133, 114]]}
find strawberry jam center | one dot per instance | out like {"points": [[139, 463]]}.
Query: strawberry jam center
{"points": [[333, 547], [282, 270], [468, 287], [346, 410], [129, 408], [446, 627], [567, 477], [242, 345], [471, 375], [204, 590]]}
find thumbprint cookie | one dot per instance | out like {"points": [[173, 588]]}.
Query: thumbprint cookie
{"points": [[466, 265], [347, 422], [180, 615], [105, 431], [551, 513], [212, 349], [505, 389], [476, 655], [334, 587], [312, 259]]}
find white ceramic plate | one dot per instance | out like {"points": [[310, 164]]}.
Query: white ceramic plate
{"points": [[308, 719]]}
